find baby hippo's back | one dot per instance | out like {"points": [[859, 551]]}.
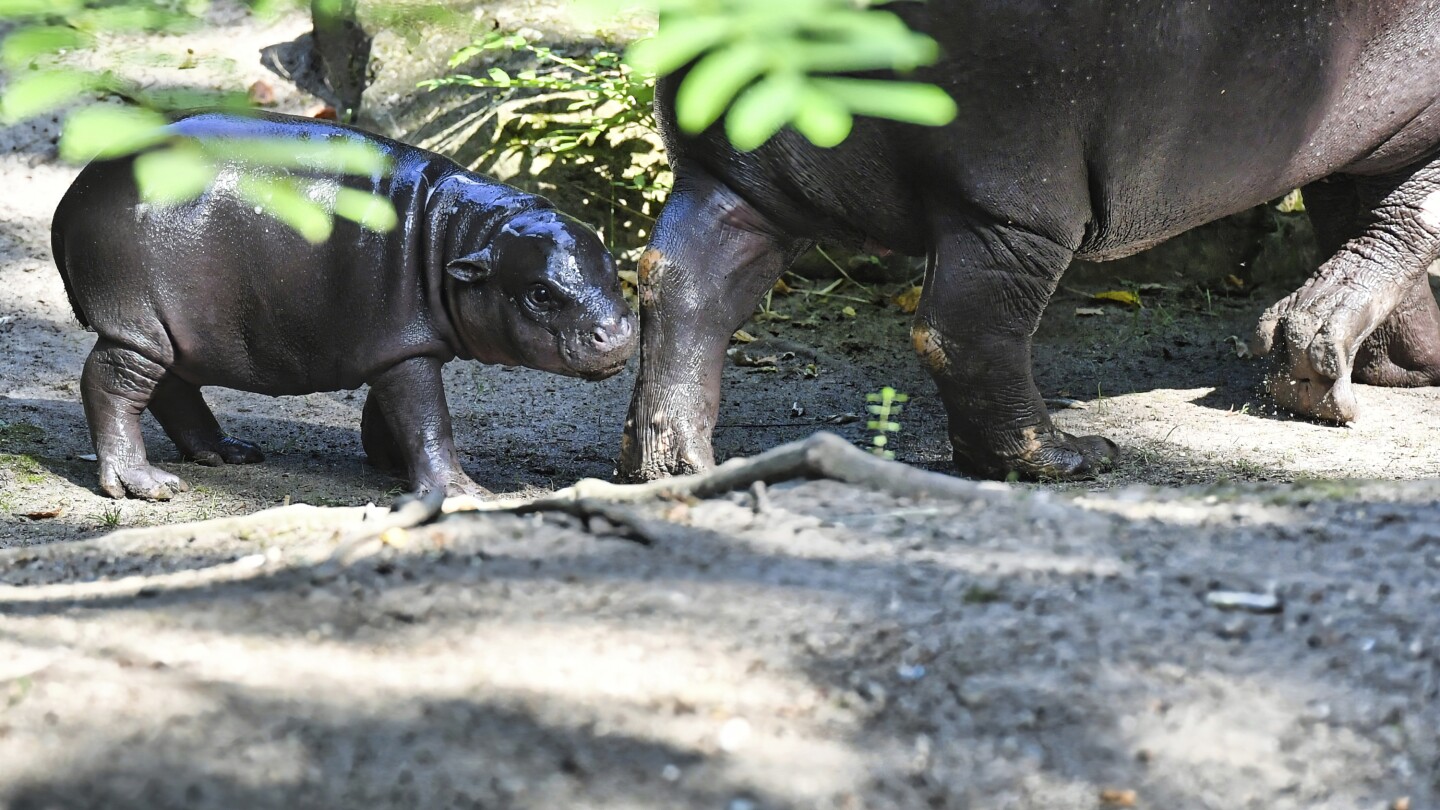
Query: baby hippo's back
{"points": [[219, 292]]}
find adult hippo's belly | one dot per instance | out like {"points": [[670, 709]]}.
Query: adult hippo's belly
{"points": [[1089, 130]]}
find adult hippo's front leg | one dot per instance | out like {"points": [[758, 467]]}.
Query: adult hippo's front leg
{"points": [[986, 287], [711, 259]]}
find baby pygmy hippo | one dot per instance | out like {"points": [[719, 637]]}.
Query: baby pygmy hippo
{"points": [[216, 292]]}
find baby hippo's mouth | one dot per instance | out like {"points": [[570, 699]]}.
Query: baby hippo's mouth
{"points": [[604, 373]]}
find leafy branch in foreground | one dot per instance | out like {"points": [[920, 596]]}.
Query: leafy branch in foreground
{"points": [[47, 58], [763, 65]]}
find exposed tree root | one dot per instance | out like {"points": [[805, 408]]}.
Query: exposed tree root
{"points": [[822, 455], [361, 532]]}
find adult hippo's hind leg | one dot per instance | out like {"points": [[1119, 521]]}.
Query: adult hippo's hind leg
{"points": [[1367, 313], [188, 421], [116, 386], [710, 261], [985, 290]]}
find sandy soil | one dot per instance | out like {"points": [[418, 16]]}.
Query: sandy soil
{"points": [[835, 648]]}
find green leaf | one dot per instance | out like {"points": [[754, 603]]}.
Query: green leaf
{"points": [[42, 91], [676, 45], [25, 44], [369, 210], [763, 110], [330, 155], [848, 55], [282, 200], [32, 8], [822, 120], [175, 175], [186, 98], [130, 17], [107, 131], [710, 86], [900, 101]]}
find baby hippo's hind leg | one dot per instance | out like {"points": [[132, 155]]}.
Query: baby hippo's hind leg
{"points": [[116, 386], [187, 420], [381, 449]]}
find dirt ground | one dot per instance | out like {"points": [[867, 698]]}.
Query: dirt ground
{"points": [[822, 646]]}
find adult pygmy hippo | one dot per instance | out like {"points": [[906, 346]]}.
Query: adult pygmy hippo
{"points": [[216, 292], [1090, 129]]}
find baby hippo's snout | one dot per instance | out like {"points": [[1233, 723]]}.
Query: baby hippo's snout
{"points": [[616, 333], [603, 351]]}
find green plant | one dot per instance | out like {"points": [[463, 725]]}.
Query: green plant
{"points": [[885, 405], [48, 57], [588, 110], [110, 516], [763, 65]]}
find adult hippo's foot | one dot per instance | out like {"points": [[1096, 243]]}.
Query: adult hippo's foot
{"points": [[985, 289], [1367, 314], [710, 261], [1316, 360]]}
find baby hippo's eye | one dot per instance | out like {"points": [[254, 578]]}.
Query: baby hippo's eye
{"points": [[540, 297]]}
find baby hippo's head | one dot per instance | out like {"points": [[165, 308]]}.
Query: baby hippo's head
{"points": [[542, 292]]}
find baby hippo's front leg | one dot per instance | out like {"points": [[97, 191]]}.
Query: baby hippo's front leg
{"points": [[407, 424]]}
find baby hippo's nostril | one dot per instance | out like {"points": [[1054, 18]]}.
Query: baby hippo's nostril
{"points": [[614, 332]]}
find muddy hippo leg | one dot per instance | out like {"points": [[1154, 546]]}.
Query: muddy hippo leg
{"points": [[116, 386], [1367, 313], [986, 287], [411, 399], [187, 420], [710, 261]]}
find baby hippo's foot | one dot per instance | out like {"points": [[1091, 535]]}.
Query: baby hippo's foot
{"points": [[1043, 455], [227, 450], [140, 481]]}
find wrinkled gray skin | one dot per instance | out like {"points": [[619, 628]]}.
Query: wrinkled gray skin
{"points": [[1088, 129], [215, 292]]}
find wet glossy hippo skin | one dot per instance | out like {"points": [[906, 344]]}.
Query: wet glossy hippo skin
{"points": [[215, 292], [1087, 129]]}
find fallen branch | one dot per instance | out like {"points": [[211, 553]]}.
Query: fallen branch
{"points": [[822, 455], [362, 530], [365, 523]]}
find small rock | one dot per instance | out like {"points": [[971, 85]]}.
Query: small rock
{"points": [[1112, 797], [910, 672], [1240, 600], [733, 734], [251, 561], [670, 773]]}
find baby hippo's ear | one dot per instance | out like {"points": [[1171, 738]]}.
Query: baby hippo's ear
{"points": [[472, 268]]}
